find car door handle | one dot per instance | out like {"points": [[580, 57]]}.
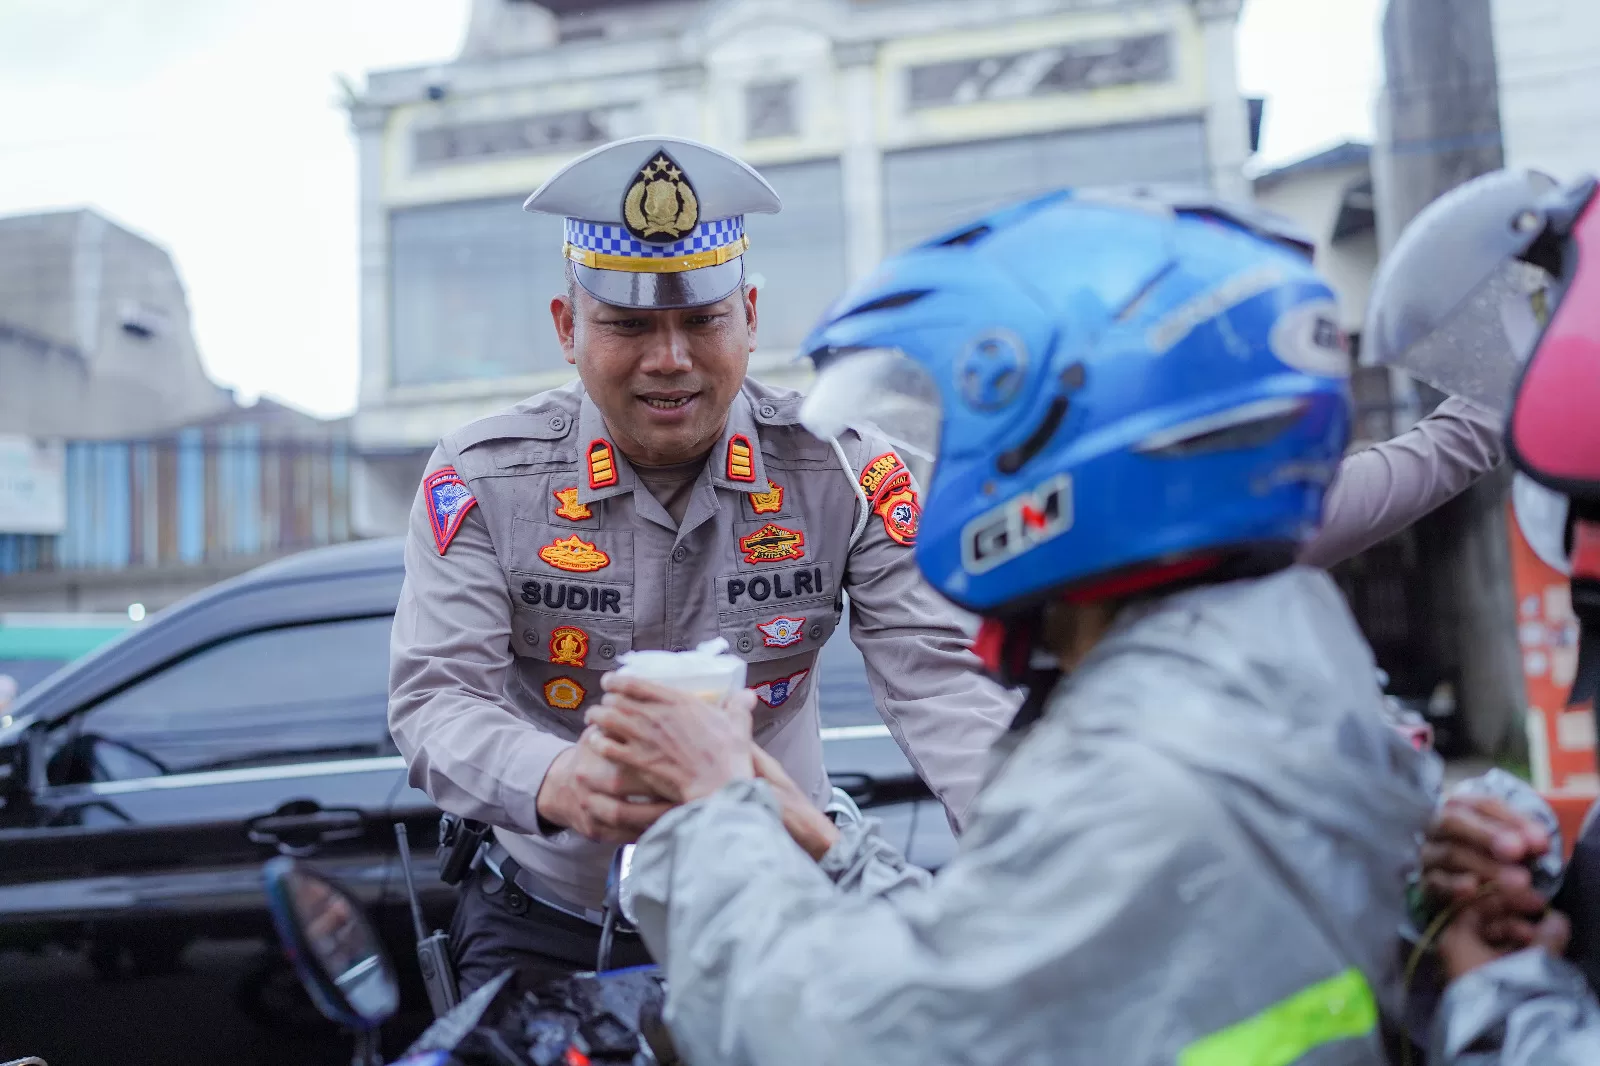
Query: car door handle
{"points": [[299, 829]]}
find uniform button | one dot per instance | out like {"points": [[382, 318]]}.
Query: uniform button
{"points": [[816, 631], [766, 410], [558, 423], [679, 554], [608, 651], [531, 636], [745, 643]]}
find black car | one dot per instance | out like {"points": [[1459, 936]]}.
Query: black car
{"points": [[142, 788]]}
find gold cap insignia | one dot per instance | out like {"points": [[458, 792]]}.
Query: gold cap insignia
{"points": [[570, 508], [769, 502], [575, 555], [563, 693], [660, 206], [569, 646]]}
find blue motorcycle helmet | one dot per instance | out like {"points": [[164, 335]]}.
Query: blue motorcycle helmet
{"points": [[1102, 394]]}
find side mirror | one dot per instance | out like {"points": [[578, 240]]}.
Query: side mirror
{"points": [[333, 946]]}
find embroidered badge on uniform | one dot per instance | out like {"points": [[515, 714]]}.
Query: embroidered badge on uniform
{"points": [[773, 544], [741, 459], [899, 509], [777, 693], [570, 508], [449, 500], [564, 694], [782, 632], [769, 502], [878, 472], [569, 646], [574, 554], [602, 465]]}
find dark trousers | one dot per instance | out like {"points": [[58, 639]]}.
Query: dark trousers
{"points": [[540, 943]]}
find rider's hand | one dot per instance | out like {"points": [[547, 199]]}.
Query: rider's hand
{"points": [[681, 746], [1469, 941], [810, 828], [1477, 843], [585, 792]]}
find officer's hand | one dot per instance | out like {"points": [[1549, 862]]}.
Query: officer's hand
{"points": [[810, 828], [1469, 941], [585, 792], [1476, 841], [681, 746]]}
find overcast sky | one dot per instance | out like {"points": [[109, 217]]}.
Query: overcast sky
{"points": [[213, 127]]}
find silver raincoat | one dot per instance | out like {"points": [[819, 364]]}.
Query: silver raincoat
{"points": [[1197, 856], [1527, 1009]]}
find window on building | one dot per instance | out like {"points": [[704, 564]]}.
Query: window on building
{"points": [[769, 110], [524, 135], [1066, 68], [471, 288], [298, 694], [800, 252]]}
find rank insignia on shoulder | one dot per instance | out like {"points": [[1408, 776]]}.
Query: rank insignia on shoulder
{"points": [[776, 693], [602, 465], [569, 646], [564, 694], [878, 472], [769, 502], [782, 632], [570, 508], [741, 459], [898, 507], [574, 555], [448, 500], [773, 544]]}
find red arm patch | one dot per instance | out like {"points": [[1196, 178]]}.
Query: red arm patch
{"points": [[449, 500]]}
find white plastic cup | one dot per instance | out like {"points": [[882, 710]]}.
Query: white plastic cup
{"points": [[708, 671]]}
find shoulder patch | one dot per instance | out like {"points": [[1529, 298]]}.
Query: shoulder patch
{"points": [[898, 507], [877, 473], [448, 500]]}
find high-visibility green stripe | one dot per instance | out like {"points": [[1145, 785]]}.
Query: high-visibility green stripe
{"points": [[1339, 1008]]}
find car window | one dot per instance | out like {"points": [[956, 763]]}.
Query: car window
{"points": [[296, 694]]}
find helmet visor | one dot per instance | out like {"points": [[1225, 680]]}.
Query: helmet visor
{"points": [[1454, 304], [880, 391]]}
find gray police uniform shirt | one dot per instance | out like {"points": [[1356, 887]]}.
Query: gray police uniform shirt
{"points": [[556, 560]]}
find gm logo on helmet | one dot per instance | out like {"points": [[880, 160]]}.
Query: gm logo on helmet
{"points": [[1020, 524]]}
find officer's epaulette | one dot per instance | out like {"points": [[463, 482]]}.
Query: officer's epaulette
{"points": [[547, 422]]}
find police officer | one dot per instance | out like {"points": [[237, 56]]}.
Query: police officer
{"points": [[664, 499]]}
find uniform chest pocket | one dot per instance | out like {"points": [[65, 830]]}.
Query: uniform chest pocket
{"points": [[581, 642], [779, 612]]}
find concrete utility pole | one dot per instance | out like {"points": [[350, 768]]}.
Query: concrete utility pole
{"points": [[1438, 126]]}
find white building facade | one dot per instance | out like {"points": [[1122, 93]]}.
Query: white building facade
{"points": [[1549, 84], [881, 123]]}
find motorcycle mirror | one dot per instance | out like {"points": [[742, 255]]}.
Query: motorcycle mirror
{"points": [[333, 946]]}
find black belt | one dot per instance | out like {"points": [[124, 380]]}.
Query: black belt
{"points": [[519, 887]]}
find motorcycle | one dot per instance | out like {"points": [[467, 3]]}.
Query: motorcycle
{"points": [[599, 1017]]}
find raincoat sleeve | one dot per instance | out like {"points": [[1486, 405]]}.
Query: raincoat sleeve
{"points": [[1095, 908], [1527, 1009], [1381, 490]]}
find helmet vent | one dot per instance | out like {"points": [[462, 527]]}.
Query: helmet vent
{"points": [[887, 303], [1247, 426]]}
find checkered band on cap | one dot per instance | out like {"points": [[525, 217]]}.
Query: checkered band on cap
{"points": [[615, 240]]}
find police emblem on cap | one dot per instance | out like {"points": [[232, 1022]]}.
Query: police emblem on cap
{"points": [[660, 205]]}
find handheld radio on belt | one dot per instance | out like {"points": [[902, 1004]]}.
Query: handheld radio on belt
{"points": [[433, 952]]}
